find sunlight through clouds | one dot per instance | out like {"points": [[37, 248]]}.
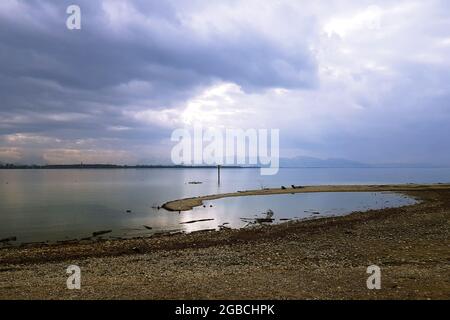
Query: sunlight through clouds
{"points": [[331, 75]]}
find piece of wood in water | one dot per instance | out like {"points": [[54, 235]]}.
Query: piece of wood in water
{"points": [[8, 239], [98, 233], [193, 221], [203, 231], [260, 220]]}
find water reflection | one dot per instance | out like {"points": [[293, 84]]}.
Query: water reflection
{"points": [[40, 205], [237, 212]]}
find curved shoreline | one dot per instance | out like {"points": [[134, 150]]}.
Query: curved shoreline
{"points": [[189, 203], [305, 259]]}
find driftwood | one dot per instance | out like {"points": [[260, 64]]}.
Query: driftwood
{"points": [[267, 218], [223, 226], [312, 211], [193, 221], [98, 233], [8, 239], [203, 231], [261, 220], [68, 241]]}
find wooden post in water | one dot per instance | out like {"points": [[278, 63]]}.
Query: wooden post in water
{"points": [[218, 174]]}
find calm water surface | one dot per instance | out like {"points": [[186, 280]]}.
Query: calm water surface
{"points": [[41, 205]]}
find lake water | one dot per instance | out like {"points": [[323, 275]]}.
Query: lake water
{"points": [[41, 205]]}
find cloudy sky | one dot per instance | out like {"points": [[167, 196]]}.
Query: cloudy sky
{"points": [[362, 80]]}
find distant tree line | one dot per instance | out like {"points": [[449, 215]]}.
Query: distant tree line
{"points": [[99, 166]]}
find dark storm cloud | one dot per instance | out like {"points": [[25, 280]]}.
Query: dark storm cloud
{"points": [[134, 55], [107, 53], [356, 79]]}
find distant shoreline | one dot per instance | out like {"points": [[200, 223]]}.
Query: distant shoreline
{"points": [[113, 166], [11, 166]]}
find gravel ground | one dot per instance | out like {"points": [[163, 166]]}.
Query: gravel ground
{"points": [[317, 259]]}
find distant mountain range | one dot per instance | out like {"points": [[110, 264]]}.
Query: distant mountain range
{"points": [[308, 162], [311, 162]]}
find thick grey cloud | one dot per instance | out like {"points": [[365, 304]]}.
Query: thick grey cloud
{"points": [[362, 80], [129, 56]]}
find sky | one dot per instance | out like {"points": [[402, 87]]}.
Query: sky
{"points": [[362, 80]]}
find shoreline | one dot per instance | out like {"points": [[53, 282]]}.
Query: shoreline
{"points": [[187, 204], [321, 258]]}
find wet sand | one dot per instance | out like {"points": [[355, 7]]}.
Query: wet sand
{"points": [[324, 258], [189, 203]]}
